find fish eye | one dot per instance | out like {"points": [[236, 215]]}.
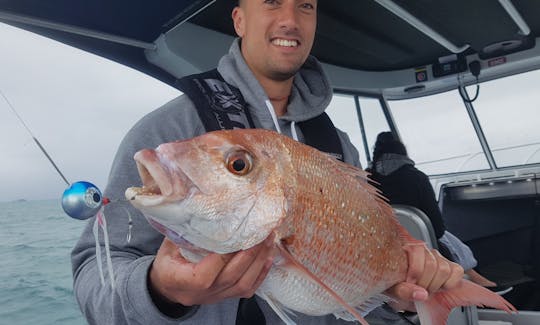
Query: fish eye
{"points": [[239, 162]]}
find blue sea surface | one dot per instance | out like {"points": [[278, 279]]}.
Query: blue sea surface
{"points": [[36, 238]]}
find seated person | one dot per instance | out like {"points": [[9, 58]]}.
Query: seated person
{"points": [[393, 172]]}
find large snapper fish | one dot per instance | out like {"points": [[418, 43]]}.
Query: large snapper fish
{"points": [[339, 242]]}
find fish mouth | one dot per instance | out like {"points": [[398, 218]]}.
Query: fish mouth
{"points": [[157, 178]]}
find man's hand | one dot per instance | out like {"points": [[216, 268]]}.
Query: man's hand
{"points": [[214, 278], [428, 272]]}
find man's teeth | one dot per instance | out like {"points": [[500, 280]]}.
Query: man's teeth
{"points": [[283, 42]]}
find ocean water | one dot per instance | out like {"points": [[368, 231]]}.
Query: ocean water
{"points": [[36, 238]]}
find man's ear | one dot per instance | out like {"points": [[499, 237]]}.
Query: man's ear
{"points": [[238, 21]]}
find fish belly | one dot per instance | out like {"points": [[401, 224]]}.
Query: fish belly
{"points": [[292, 289]]}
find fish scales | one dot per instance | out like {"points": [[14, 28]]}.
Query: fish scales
{"points": [[339, 242], [335, 220]]}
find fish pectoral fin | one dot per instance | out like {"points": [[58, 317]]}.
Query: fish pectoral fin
{"points": [[285, 253], [279, 309], [372, 302], [365, 308]]}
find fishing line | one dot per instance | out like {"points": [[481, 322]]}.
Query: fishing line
{"points": [[34, 138]]}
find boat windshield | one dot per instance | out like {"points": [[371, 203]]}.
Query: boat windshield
{"points": [[509, 110], [439, 131]]}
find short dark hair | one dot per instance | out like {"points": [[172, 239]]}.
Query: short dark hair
{"points": [[387, 142]]}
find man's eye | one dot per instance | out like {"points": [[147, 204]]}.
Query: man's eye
{"points": [[308, 6]]}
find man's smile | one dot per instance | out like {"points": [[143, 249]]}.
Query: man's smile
{"points": [[285, 42]]}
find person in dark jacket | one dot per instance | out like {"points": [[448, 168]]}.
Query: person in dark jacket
{"points": [[401, 182]]}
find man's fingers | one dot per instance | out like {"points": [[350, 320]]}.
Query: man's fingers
{"points": [[189, 275], [431, 265], [431, 270], [456, 275], [168, 248], [204, 273], [215, 277], [238, 265], [264, 272], [405, 291], [416, 258], [254, 276], [241, 274], [442, 274], [428, 272]]}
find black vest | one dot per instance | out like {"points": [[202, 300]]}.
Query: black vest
{"points": [[221, 106]]}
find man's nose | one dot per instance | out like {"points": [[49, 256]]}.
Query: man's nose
{"points": [[289, 15]]}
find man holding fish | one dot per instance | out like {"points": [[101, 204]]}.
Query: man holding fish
{"points": [[282, 87]]}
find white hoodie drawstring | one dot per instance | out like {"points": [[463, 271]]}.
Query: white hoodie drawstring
{"points": [[276, 124], [273, 113], [293, 130]]}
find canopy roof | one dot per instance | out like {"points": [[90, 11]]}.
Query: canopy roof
{"points": [[367, 35]]}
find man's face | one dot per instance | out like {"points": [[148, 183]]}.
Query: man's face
{"points": [[277, 35]]}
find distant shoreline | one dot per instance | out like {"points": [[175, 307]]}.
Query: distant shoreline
{"points": [[27, 200]]}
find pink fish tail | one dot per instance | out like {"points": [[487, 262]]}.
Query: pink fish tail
{"points": [[436, 309]]}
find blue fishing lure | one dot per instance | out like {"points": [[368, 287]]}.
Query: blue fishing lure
{"points": [[82, 200]]}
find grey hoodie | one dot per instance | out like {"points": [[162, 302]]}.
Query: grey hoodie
{"points": [[390, 162], [130, 303]]}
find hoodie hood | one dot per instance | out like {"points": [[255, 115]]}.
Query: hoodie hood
{"points": [[310, 95], [390, 162]]}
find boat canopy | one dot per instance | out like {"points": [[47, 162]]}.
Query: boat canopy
{"points": [[380, 41]]}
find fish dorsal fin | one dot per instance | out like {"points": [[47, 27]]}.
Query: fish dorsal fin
{"points": [[285, 253], [361, 176]]}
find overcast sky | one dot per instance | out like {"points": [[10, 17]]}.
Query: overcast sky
{"points": [[77, 105]]}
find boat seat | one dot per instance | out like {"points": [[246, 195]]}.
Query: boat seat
{"points": [[420, 227], [417, 223]]}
